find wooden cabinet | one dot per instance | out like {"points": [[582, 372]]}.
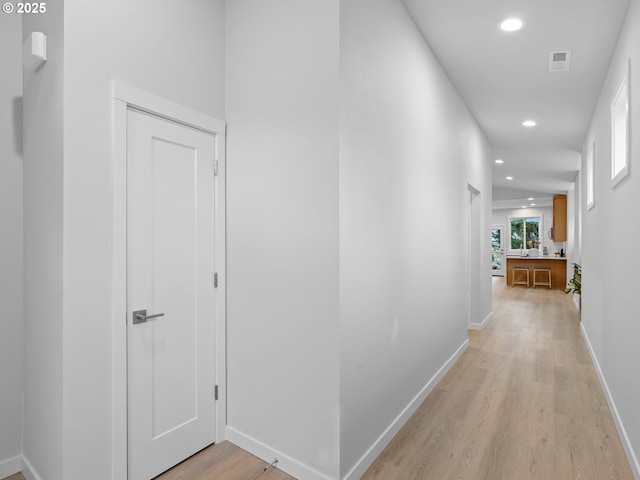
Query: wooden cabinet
{"points": [[559, 218], [557, 265]]}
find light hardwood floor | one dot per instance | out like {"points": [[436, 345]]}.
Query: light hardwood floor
{"points": [[223, 461], [523, 402], [17, 476]]}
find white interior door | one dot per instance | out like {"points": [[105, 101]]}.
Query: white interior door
{"points": [[497, 250], [170, 272]]}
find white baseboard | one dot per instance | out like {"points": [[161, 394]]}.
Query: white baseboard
{"points": [[16, 465], [624, 438], [286, 464], [480, 326], [10, 466], [28, 471], [576, 301], [379, 445]]}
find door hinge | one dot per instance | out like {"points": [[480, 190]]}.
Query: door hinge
{"points": [[215, 167], [215, 393], [215, 280]]}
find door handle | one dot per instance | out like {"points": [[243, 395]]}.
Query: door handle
{"points": [[140, 316]]}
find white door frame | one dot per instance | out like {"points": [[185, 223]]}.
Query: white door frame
{"points": [[473, 251], [125, 96]]}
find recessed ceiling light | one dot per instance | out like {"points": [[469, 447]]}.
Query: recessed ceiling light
{"points": [[511, 24], [529, 123], [509, 178], [530, 198], [532, 204], [499, 161], [524, 206]]}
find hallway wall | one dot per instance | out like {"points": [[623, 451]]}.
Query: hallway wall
{"points": [[43, 237], [11, 237], [609, 259], [282, 204], [408, 149]]}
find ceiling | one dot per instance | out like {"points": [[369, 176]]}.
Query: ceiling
{"points": [[504, 79]]}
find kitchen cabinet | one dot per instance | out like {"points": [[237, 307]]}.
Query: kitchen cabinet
{"points": [[559, 218]]}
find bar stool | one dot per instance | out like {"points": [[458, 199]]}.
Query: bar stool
{"points": [[546, 270], [519, 282]]}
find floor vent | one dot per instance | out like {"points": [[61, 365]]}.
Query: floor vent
{"points": [[559, 61]]}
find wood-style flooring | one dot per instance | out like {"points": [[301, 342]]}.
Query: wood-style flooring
{"points": [[523, 402], [17, 476], [223, 461]]}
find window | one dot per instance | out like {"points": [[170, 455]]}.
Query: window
{"points": [[495, 238], [525, 233], [591, 177], [620, 132]]}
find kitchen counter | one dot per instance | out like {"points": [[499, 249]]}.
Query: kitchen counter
{"points": [[558, 266]]}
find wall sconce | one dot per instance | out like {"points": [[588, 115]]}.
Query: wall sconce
{"points": [[34, 51]]}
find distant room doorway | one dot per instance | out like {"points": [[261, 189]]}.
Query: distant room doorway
{"points": [[497, 250]]}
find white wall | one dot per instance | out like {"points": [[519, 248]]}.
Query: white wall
{"points": [[408, 150], [501, 217], [282, 206], [11, 321], [609, 258], [43, 225]]}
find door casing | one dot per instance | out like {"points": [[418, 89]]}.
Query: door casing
{"points": [[123, 97], [474, 257]]}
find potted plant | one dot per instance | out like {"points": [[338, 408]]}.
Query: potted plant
{"points": [[575, 284]]}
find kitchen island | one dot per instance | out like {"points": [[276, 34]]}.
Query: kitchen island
{"points": [[558, 266]]}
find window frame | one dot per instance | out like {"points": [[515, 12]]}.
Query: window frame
{"points": [[590, 177], [621, 104]]}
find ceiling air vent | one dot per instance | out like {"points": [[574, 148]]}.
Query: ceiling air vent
{"points": [[559, 61]]}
